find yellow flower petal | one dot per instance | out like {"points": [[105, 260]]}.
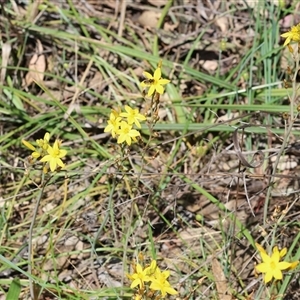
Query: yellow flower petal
{"points": [[63, 153], [157, 74], [283, 252], [45, 158], [262, 267], [294, 264], [160, 89], [144, 84], [265, 257], [164, 81], [135, 283], [28, 145], [52, 164], [268, 277], [260, 248], [285, 35], [277, 274], [284, 265], [35, 154], [151, 90], [287, 41], [275, 256], [147, 75], [171, 291]]}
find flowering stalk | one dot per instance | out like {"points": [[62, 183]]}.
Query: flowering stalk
{"points": [[50, 156], [154, 83]]}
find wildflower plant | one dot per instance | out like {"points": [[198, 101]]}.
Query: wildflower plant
{"points": [[274, 264], [150, 282], [155, 85], [271, 266], [50, 156], [125, 125]]}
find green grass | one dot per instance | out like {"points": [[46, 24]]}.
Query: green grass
{"points": [[111, 202]]}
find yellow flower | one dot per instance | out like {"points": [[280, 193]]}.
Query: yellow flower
{"points": [[133, 116], [155, 82], [292, 35], [271, 265], [35, 153], [151, 269], [126, 133], [116, 111], [160, 283], [113, 123], [42, 143], [54, 156], [294, 264], [139, 277]]}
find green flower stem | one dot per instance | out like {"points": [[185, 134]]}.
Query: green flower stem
{"points": [[30, 249]]}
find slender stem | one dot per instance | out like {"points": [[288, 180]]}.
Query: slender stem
{"points": [[30, 245], [286, 136]]}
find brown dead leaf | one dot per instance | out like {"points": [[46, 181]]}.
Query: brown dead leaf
{"points": [[37, 66], [149, 18], [209, 65], [223, 24], [96, 81], [170, 27], [220, 280]]}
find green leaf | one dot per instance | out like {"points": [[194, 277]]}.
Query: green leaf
{"points": [[14, 290], [14, 98]]}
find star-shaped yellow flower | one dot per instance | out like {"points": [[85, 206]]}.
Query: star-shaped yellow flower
{"points": [[126, 133], [160, 283], [151, 268], [138, 277], [54, 156], [292, 35], [155, 82], [113, 124], [271, 265], [133, 116]]}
